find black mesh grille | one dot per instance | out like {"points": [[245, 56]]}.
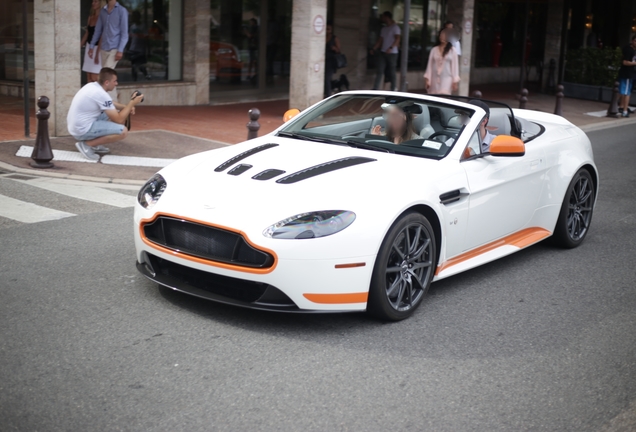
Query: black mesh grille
{"points": [[205, 242], [237, 289]]}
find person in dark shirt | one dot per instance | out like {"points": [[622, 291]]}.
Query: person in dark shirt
{"points": [[626, 76]]}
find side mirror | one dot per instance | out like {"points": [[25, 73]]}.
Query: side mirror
{"points": [[290, 114], [506, 145]]}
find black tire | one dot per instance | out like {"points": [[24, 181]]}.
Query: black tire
{"points": [[576, 211], [403, 269]]}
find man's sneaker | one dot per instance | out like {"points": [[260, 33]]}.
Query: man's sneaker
{"points": [[625, 114], [86, 151], [100, 149], [620, 111]]}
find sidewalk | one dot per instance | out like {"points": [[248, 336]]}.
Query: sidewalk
{"points": [[174, 132]]}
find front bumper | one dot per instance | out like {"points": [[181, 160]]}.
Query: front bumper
{"points": [[210, 286], [285, 291]]}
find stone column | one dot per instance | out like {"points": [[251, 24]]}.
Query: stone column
{"points": [[196, 47], [351, 25], [462, 14], [552, 48], [306, 82], [57, 57]]}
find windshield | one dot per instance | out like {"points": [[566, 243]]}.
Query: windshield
{"points": [[402, 125]]}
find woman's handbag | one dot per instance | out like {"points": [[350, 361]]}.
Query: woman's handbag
{"points": [[341, 61]]}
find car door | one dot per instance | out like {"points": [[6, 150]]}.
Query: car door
{"points": [[503, 193]]}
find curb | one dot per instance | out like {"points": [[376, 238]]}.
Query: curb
{"points": [[608, 124], [41, 173]]}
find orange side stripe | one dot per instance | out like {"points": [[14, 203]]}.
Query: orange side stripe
{"points": [[143, 222], [360, 297], [520, 239], [351, 265]]}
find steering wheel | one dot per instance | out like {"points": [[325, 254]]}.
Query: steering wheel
{"points": [[443, 133]]}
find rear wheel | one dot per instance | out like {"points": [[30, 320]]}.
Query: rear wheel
{"points": [[576, 211], [403, 269]]}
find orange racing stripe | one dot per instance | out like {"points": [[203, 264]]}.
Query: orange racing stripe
{"points": [[520, 239], [360, 297]]}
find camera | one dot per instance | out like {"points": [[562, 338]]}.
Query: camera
{"points": [[135, 94]]}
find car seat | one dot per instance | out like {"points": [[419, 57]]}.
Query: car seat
{"points": [[422, 123], [499, 122]]}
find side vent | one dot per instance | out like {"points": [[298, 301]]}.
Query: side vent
{"points": [[323, 169], [268, 174], [228, 163], [239, 169]]}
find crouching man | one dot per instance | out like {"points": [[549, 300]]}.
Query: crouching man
{"points": [[94, 119]]}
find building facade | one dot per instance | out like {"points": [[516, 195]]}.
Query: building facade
{"points": [[195, 52]]}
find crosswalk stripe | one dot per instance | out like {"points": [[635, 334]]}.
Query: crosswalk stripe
{"points": [[86, 193], [71, 156], [58, 155], [26, 212]]}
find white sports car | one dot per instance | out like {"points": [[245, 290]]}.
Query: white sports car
{"points": [[361, 201]]}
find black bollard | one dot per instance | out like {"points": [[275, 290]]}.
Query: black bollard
{"points": [[476, 94], [253, 125], [558, 108], [524, 99], [42, 153], [612, 111]]}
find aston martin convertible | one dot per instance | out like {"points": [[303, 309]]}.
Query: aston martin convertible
{"points": [[361, 201]]}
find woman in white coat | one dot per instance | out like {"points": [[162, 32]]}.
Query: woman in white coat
{"points": [[442, 71]]}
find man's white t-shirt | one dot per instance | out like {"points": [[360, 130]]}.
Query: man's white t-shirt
{"points": [[86, 106], [388, 34]]}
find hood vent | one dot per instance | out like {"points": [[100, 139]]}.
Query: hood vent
{"points": [[239, 169], [225, 165], [323, 169], [268, 174]]}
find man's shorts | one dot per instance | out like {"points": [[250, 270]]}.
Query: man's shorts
{"points": [[101, 127], [625, 86]]}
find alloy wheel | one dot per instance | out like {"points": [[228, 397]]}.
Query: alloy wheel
{"points": [[580, 209], [409, 267]]}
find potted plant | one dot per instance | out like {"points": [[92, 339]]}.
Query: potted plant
{"points": [[590, 73]]}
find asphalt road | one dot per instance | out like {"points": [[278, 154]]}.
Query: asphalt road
{"points": [[542, 340]]}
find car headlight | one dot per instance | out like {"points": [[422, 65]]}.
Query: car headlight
{"points": [[311, 225], [152, 191]]}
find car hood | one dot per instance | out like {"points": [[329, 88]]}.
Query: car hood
{"points": [[232, 185]]}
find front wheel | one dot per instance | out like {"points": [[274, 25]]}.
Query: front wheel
{"points": [[576, 211], [403, 269]]}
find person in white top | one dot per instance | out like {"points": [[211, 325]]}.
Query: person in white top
{"points": [[94, 119], [387, 44], [453, 37]]}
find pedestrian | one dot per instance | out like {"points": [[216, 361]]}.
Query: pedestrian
{"points": [[387, 44], [137, 50], [92, 66], [112, 28], [251, 32], [626, 75], [331, 64], [442, 71], [453, 37], [94, 119]]}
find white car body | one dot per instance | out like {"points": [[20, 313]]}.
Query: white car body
{"points": [[505, 205]]}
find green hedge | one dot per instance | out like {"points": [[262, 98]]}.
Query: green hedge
{"points": [[593, 66]]}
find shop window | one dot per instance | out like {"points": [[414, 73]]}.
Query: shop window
{"points": [[154, 48], [426, 18], [11, 42], [500, 29]]}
